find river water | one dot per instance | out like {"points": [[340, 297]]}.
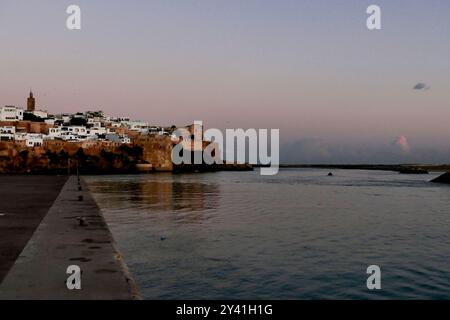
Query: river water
{"points": [[297, 235]]}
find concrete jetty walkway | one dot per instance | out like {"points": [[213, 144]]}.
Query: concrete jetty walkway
{"points": [[24, 202], [60, 241]]}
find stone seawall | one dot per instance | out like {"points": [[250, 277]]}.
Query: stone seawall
{"points": [[55, 156], [60, 241]]}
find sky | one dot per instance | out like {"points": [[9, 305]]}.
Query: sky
{"points": [[337, 91]]}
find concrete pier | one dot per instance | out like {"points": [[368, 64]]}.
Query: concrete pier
{"points": [[72, 233], [24, 202]]}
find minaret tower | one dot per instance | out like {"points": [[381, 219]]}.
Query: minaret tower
{"points": [[31, 103]]}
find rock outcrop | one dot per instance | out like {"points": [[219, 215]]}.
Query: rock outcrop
{"points": [[445, 178]]}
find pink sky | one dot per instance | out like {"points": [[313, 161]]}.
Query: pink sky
{"points": [[292, 65]]}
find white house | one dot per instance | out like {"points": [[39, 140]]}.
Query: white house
{"points": [[95, 124], [67, 136], [11, 113], [95, 131], [40, 114], [163, 132], [154, 130], [95, 121], [125, 139], [65, 118], [75, 130], [50, 121], [139, 126], [54, 132], [7, 133], [114, 137], [8, 129], [115, 124], [20, 136], [34, 140]]}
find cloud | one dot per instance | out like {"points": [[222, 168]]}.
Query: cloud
{"points": [[402, 143], [421, 86]]}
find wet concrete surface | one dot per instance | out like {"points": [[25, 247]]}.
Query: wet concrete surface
{"points": [[73, 232], [24, 201]]}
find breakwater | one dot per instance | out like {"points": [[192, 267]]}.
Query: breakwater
{"points": [[72, 233]]}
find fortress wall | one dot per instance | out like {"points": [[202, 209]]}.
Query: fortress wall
{"points": [[157, 151], [28, 126], [16, 157]]}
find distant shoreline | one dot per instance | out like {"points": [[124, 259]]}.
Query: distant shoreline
{"points": [[382, 167], [245, 167]]}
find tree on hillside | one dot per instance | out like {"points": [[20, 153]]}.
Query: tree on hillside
{"points": [[80, 155], [23, 158], [63, 156], [52, 157]]}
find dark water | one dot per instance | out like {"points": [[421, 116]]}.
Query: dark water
{"points": [[297, 235]]}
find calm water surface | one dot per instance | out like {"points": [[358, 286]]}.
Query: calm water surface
{"points": [[297, 235]]}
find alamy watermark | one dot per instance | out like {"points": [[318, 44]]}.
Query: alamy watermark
{"points": [[374, 19], [73, 22], [242, 146], [73, 282], [374, 279]]}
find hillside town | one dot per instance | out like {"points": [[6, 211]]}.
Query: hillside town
{"points": [[34, 141], [34, 126]]}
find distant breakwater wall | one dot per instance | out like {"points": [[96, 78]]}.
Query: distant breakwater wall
{"points": [[381, 167], [154, 153]]}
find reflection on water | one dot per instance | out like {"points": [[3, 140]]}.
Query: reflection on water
{"points": [[187, 200], [297, 235]]}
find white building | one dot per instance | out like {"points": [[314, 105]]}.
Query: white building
{"points": [[50, 121], [116, 124], [75, 130], [119, 119], [54, 133], [94, 124], [139, 126], [114, 137], [154, 130], [67, 136], [163, 132], [7, 133], [11, 113], [96, 121], [34, 140], [125, 139], [20, 136], [96, 131], [8, 129], [64, 118], [40, 114]]}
